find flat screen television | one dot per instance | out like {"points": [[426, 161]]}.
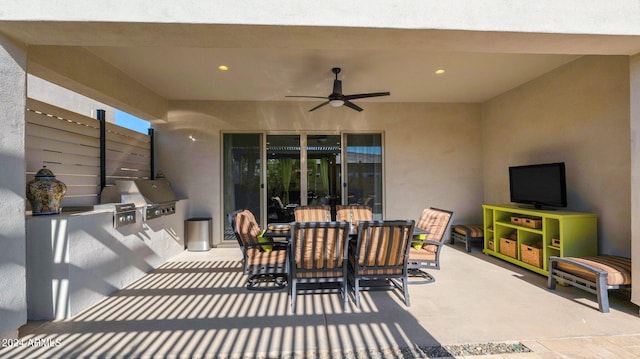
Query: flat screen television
{"points": [[540, 185]]}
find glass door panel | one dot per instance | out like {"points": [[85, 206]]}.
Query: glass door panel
{"points": [[283, 177], [363, 154], [242, 169], [323, 170]]}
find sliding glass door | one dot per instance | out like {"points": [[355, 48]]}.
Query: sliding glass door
{"points": [[323, 158], [241, 175], [283, 177], [272, 174], [288, 186], [364, 171]]}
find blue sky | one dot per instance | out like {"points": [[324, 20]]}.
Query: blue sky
{"points": [[131, 122]]}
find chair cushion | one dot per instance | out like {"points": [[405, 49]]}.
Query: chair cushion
{"points": [[353, 212], [618, 268], [320, 274], [474, 230], [312, 213], [426, 253], [434, 222], [256, 257]]}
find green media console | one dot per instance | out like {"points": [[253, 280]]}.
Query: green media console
{"points": [[527, 237]]}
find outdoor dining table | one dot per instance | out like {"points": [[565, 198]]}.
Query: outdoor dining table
{"points": [[281, 231]]}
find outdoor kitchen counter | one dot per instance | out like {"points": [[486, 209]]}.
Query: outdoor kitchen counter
{"points": [[77, 258]]}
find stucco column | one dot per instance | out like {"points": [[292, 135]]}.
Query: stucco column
{"points": [[634, 78], [13, 302]]}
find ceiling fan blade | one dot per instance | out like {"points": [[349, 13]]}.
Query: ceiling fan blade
{"points": [[352, 106], [363, 95], [320, 105], [324, 97]]}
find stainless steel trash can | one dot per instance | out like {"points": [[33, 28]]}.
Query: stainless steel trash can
{"points": [[198, 234]]}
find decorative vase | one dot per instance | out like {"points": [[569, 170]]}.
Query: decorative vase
{"points": [[45, 192]]}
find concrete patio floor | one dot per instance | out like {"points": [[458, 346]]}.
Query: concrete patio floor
{"points": [[196, 306]]}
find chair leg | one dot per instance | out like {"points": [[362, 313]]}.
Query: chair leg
{"points": [[345, 295], [551, 283], [293, 296], [603, 294], [405, 287], [468, 243], [356, 289]]}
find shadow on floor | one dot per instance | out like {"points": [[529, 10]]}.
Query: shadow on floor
{"points": [[201, 309]]}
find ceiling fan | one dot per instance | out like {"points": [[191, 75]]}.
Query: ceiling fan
{"points": [[337, 99]]}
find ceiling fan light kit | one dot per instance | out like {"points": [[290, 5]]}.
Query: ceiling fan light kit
{"points": [[337, 98]]}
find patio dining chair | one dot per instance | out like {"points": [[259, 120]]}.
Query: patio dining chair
{"points": [[264, 261], [378, 258], [312, 213], [425, 253], [353, 213], [318, 259]]}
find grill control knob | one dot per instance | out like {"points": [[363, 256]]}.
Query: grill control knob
{"points": [[158, 212]]}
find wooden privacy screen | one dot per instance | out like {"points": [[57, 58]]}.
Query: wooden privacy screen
{"points": [[69, 145]]}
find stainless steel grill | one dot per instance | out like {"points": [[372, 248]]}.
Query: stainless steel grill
{"points": [[155, 197], [123, 214]]}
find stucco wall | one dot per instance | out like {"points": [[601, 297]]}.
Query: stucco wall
{"points": [[432, 151], [75, 260], [48, 92], [13, 305], [568, 16], [634, 75], [578, 114], [78, 70]]}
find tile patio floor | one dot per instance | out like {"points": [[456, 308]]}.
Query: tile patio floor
{"points": [[195, 306]]}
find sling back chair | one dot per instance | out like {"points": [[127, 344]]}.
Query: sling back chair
{"points": [[264, 261], [312, 213], [378, 258], [318, 259], [425, 253]]}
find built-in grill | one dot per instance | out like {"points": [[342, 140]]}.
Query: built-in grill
{"points": [[123, 214], [155, 197]]}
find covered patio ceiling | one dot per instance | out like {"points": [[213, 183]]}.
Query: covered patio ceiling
{"points": [[266, 63]]}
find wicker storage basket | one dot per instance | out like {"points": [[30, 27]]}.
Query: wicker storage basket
{"points": [[516, 220], [555, 242], [531, 254], [491, 247], [531, 223], [508, 247]]}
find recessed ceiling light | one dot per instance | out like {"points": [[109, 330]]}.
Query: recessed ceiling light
{"points": [[223, 68], [439, 71]]}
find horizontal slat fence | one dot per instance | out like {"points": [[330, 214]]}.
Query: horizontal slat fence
{"points": [[68, 143], [128, 154]]}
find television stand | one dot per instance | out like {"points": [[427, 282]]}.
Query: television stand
{"points": [[528, 237], [537, 207]]}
